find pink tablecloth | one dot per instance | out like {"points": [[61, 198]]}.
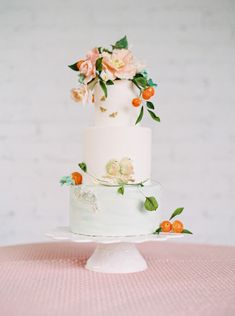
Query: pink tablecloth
{"points": [[49, 279]]}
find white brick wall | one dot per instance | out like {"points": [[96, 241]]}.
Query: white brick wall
{"points": [[190, 48]]}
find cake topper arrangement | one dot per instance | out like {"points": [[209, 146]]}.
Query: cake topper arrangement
{"points": [[105, 66]]}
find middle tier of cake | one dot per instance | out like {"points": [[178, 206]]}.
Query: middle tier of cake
{"points": [[118, 153]]}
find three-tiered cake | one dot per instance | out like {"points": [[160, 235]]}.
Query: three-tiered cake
{"points": [[114, 195]]}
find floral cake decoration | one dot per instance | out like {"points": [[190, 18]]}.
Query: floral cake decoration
{"points": [[120, 172], [104, 66]]}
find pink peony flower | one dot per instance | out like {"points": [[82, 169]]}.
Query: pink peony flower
{"points": [[120, 63], [81, 95], [88, 68]]}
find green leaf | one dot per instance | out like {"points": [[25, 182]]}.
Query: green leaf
{"points": [[104, 88], [150, 105], [150, 203], [81, 78], [178, 211], [63, 180], [122, 43], [185, 231], [98, 64], [141, 184], [109, 82], [154, 116], [74, 67], [141, 82], [66, 180], [139, 118], [136, 84], [83, 166], [99, 50], [151, 83], [144, 73], [121, 190], [158, 230], [107, 50], [140, 74]]}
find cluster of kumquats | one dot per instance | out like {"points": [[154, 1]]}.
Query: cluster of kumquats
{"points": [[175, 227], [146, 95]]}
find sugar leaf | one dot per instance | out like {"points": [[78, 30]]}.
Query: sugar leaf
{"points": [[98, 64], [150, 203], [109, 82], [104, 88], [185, 231], [122, 43], [74, 67], [178, 211], [83, 166], [139, 118], [154, 116], [151, 83], [121, 190], [158, 230], [150, 105], [141, 81]]}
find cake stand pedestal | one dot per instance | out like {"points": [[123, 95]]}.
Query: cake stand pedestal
{"points": [[112, 254]]}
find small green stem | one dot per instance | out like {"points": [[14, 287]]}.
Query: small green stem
{"points": [[141, 192]]}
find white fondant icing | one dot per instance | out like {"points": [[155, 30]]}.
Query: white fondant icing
{"points": [[100, 144], [117, 215], [117, 108]]}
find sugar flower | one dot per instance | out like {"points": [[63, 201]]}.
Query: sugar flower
{"points": [[120, 63], [93, 55], [88, 68], [120, 172], [126, 166], [107, 75], [113, 168], [81, 95]]}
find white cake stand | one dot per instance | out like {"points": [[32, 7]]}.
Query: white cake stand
{"points": [[113, 254]]}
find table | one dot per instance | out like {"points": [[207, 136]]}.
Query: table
{"points": [[49, 279]]}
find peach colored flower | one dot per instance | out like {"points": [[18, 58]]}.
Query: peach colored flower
{"points": [[81, 95], [120, 63], [93, 55], [88, 68]]}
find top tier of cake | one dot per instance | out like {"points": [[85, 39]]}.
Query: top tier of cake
{"points": [[116, 109]]}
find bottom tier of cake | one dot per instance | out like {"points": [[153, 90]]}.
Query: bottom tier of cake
{"points": [[101, 211]]}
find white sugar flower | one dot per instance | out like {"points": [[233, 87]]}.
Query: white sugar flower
{"points": [[113, 168], [126, 166], [107, 75]]}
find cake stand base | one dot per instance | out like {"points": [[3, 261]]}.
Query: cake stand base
{"points": [[112, 254], [116, 258]]}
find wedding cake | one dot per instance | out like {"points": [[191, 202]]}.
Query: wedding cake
{"points": [[112, 194]]}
